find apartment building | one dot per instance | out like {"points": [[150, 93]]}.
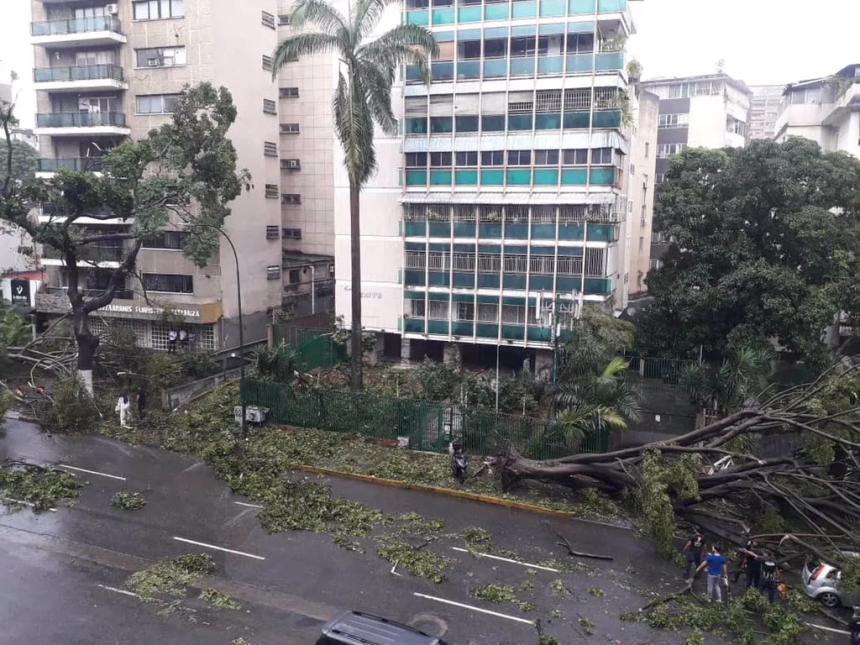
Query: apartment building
{"points": [[503, 199], [826, 110], [764, 109], [708, 111], [105, 72], [640, 211]]}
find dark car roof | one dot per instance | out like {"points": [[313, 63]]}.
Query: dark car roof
{"points": [[357, 628]]}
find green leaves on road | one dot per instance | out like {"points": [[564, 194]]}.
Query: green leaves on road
{"points": [[128, 501], [42, 488], [170, 577]]}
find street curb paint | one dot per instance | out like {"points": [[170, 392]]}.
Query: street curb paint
{"points": [[459, 494]]}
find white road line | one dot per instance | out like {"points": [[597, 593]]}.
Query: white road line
{"points": [[91, 472], [124, 592], [394, 567], [249, 505], [829, 629], [495, 557], [23, 503], [219, 548], [471, 608]]}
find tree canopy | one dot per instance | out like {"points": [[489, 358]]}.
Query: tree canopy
{"points": [[25, 158], [764, 246], [182, 175]]}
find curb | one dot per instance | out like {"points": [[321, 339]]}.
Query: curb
{"points": [[448, 492]]}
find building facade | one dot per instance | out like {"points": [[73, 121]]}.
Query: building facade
{"points": [[709, 111], [764, 109], [105, 72], [640, 211], [826, 110], [503, 199]]}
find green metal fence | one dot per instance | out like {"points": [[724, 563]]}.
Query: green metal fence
{"points": [[293, 336], [429, 426], [313, 348]]}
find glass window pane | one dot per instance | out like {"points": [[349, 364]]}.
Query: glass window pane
{"points": [[493, 123], [178, 8], [467, 123]]}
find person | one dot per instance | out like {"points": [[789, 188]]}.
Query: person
{"points": [[183, 340], [717, 573], [752, 558], [141, 402], [171, 341], [769, 576], [123, 406], [694, 550]]}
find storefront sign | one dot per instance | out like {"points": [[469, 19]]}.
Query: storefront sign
{"points": [[20, 292]]}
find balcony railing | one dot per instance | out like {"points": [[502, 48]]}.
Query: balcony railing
{"points": [[83, 73], [86, 164], [88, 254], [76, 26], [119, 294], [80, 120]]}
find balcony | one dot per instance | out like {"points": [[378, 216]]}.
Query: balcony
{"points": [[56, 124], [74, 79], [49, 167], [104, 256], [100, 31]]}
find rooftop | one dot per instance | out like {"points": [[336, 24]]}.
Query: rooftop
{"points": [[677, 80]]}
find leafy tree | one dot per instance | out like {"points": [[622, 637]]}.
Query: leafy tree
{"points": [[24, 158], [724, 388], [183, 173], [367, 70], [765, 246]]}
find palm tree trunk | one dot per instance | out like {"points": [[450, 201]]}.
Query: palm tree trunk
{"points": [[355, 242]]}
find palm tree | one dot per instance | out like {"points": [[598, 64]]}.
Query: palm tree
{"points": [[722, 389], [368, 67]]}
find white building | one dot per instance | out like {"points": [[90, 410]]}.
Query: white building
{"points": [[506, 190], [826, 110], [766, 100]]}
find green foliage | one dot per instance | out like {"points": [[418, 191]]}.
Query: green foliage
{"points": [[170, 577], [6, 403], [14, 329], [723, 389], [128, 501], [25, 159], [41, 488], [417, 561], [495, 593], [276, 364], [69, 410], [559, 587], [661, 480], [598, 339], [218, 599], [757, 253]]}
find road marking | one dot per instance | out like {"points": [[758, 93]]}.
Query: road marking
{"points": [[249, 505], [23, 503], [91, 472], [219, 548], [829, 629], [394, 567], [124, 592], [495, 557], [470, 607]]}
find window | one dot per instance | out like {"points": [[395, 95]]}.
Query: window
{"points": [[647, 149], [438, 261], [89, 59], [659, 178], [272, 233], [157, 9], [575, 157], [641, 243], [467, 158], [295, 276], [173, 240], [519, 157], [494, 158], [284, 19], [546, 157], [270, 149], [440, 159], [465, 311], [160, 57], [273, 273], [488, 313], [292, 233], [269, 107], [438, 309], [289, 128], [268, 20], [673, 121], [289, 92], [272, 191], [291, 198], [466, 123], [416, 159], [156, 103], [268, 63], [601, 156], [665, 150], [416, 260], [464, 262], [513, 315], [168, 282], [417, 308], [291, 164], [655, 264]]}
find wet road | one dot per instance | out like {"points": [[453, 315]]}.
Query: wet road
{"points": [[71, 564]]}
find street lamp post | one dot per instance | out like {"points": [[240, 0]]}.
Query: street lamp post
{"points": [[241, 326]]}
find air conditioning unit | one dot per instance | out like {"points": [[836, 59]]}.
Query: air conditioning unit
{"points": [[292, 163], [112, 9]]}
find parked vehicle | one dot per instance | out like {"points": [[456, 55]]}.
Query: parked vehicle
{"points": [[821, 583], [356, 628], [855, 627], [458, 461]]}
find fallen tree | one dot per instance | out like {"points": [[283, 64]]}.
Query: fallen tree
{"points": [[794, 452]]}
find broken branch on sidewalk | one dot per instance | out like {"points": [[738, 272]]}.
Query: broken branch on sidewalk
{"points": [[570, 550]]}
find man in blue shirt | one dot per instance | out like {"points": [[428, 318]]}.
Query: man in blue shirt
{"points": [[717, 569]]}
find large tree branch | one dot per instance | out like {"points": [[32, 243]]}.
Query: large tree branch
{"points": [[117, 276]]}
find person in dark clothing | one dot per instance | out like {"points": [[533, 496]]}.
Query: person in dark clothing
{"points": [[752, 557], [768, 573], [694, 551], [141, 402]]}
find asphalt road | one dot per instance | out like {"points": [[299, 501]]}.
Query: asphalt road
{"points": [[64, 571]]}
